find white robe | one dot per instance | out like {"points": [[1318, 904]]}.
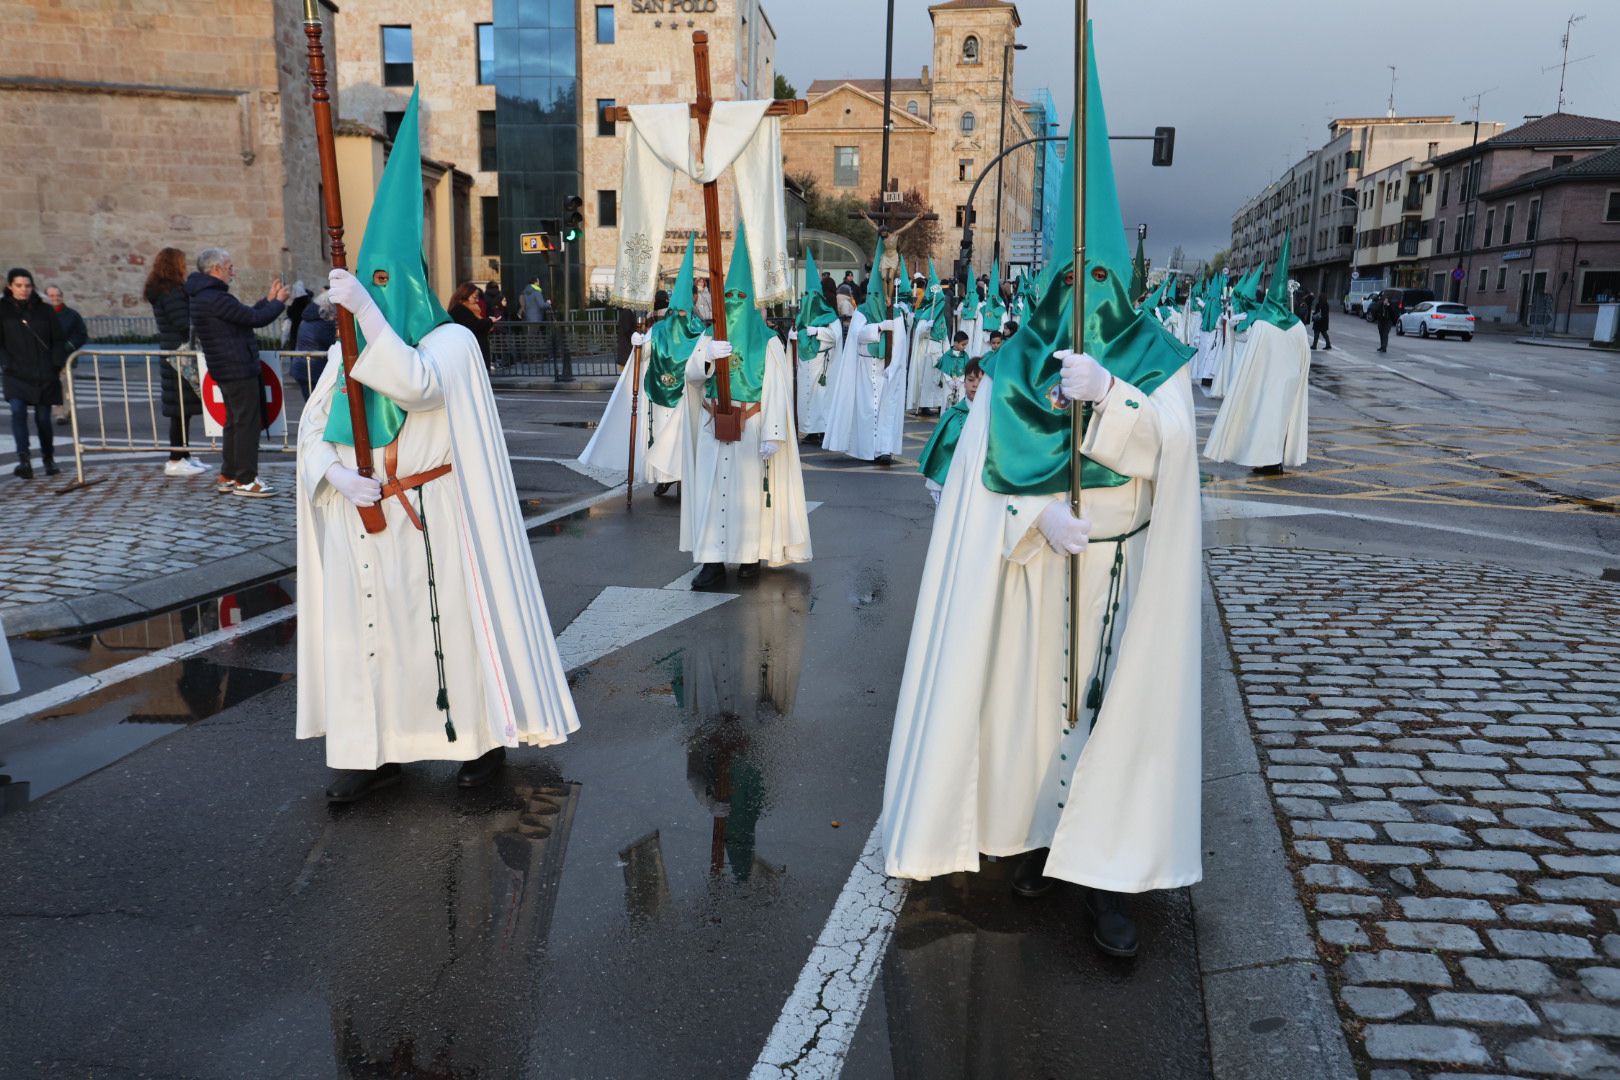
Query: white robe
{"points": [[1209, 354], [814, 381], [1265, 419], [1234, 346], [979, 760], [866, 413], [927, 389], [609, 447], [724, 516], [367, 678]]}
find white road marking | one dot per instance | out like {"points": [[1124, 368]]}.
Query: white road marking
{"points": [[1216, 509], [814, 1031], [621, 616]]}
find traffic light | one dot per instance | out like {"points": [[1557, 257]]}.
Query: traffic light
{"points": [[1164, 145], [573, 218]]}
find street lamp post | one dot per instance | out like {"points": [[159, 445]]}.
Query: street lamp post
{"points": [[1001, 142]]}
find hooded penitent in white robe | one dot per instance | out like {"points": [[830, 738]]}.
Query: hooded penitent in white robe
{"points": [[1229, 360], [727, 513], [1265, 419], [866, 411], [980, 760], [367, 678], [928, 383], [609, 447], [813, 378], [1209, 353]]}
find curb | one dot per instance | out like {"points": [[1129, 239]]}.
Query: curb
{"points": [[1556, 343], [1267, 1003]]}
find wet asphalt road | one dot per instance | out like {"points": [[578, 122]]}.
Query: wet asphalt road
{"points": [[181, 902]]}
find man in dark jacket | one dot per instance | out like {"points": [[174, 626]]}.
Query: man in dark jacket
{"points": [[1319, 323], [75, 335], [32, 355], [1384, 314], [224, 329]]}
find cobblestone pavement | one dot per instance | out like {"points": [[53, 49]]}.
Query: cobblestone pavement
{"points": [[1442, 745], [132, 525]]}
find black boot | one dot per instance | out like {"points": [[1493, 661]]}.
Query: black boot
{"points": [[480, 770], [1027, 879], [749, 570], [884, 460], [1114, 930], [712, 574], [1267, 470], [352, 785], [660, 490], [23, 471], [50, 467]]}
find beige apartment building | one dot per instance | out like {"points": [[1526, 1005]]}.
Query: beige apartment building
{"points": [[945, 129]]}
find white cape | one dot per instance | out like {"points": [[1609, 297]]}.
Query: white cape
{"points": [[736, 508], [355, 685], [1265, 419], [979, 723], [1229, 360], [927, 388], [1209, 353], [866, 411], [609, 447], [814, 381]]}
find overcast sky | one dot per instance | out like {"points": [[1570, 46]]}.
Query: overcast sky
{"points": [[1248, 84]]}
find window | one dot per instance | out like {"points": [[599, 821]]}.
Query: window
{"points": [[1532, 220], [1434, 148], [969, 122], [964, 169], [1611, 207], [490, 210], [1501, 278], [911, 107], [399, 68], [961, 216], [607, 204], [486, 53], [486, 140], [1600, 286], [1445, 189], [392, 118], [1560, 160], [605, 30], [970, 50], [1490, 225], [604, 122], [1352, 159], [846, 166], [1440, 236], [1484, 278], [1507, 223]]}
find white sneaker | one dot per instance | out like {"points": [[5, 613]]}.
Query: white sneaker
{"points": [[193, 466], [256, 490], [175, 468]]}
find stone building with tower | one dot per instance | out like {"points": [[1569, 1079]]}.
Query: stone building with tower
{"points": [[946, 128]]}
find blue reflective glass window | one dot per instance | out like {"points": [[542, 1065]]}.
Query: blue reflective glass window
{"points": [[533, 13], [486, 53], [604, 24], [399, 66]]}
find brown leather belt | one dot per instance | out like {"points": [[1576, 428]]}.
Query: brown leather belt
{"points": [[748, 409], [396, 488]]}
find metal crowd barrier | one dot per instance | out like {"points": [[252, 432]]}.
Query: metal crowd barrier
{"points": [[126, 384], [558, 347]]}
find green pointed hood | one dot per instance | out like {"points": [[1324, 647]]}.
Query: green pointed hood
{"points": [[1246, 293], [902, 283], [1138, 271], [1213, 290], [745, 327], [933, 306], [672, 338], [993, 307], [970, 295], [1029, 434], [1275, 308], [393, 243], [814, 310], [874, 307]]}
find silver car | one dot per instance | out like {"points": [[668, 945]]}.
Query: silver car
{"points": [[1437, 318]]}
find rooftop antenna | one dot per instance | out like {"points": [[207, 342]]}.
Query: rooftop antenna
{"points": [[1476, 98], [1563, 65], [1391, 113]]}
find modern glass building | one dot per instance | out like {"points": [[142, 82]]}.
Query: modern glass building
{"points": [[537, 141], [1043, 120]]}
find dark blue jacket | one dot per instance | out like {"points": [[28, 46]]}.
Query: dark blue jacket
{"points": [[224, 327]]}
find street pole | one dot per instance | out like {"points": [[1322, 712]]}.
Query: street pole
{"points": [[1001, 145], [566, 372], [888, 120], [1077, 412]]}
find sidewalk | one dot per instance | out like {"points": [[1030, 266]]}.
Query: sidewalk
{"points": [[134, 541]]}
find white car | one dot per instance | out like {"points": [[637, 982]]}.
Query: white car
{"points": [[1437, 318]]}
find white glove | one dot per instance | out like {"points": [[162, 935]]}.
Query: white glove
{"points": [[767, 450], [1067, 534], [637, 340], [718, 349], [360, 490], [348, 292], [1083, 378], [895, 325]]}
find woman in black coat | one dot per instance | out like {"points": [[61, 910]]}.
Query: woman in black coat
{"points": [[171, 307], [467, 308], [32, 355]]}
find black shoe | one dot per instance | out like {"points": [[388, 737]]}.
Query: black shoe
{"points": [[355, 784], [51, 468], [480, 770], [23, 471], [1027, 879], [1114, 931], [884, 460], [1267, 470], [1207, 382], [749, 570], [712, 574], [660, 490]]}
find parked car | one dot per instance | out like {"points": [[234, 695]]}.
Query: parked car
{"points": [[1436, 318], [1403, 299], [1360, 297]]}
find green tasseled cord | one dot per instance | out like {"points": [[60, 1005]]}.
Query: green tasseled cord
{"points": [[443, 700], [1105, 640]]}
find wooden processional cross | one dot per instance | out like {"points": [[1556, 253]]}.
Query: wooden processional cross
{"points": [[727, 420]]}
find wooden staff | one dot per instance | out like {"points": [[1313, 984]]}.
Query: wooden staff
{"points": [[635, 410], [370, 516], [1077, 412]]}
